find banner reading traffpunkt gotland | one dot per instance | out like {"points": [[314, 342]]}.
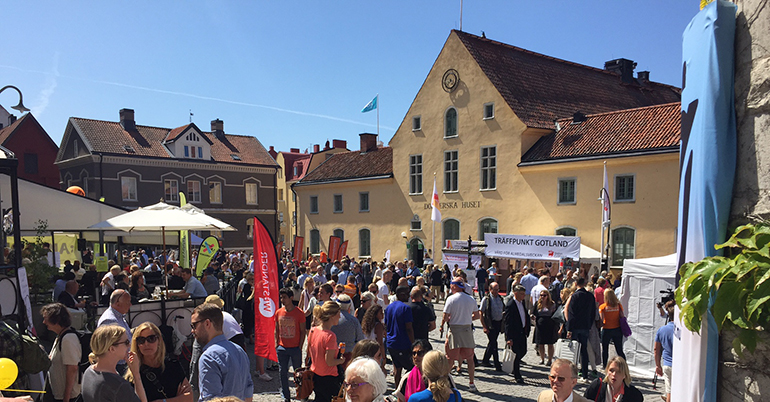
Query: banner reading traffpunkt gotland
{"points": [[532, 247]]}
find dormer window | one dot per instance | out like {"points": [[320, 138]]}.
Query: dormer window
{"points": [[129, 149]]}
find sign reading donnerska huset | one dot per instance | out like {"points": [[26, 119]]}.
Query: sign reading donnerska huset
{"points": [[532, 247]]}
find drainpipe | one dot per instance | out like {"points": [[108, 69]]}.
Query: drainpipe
{"points": [[276, 226], [101, 176], [294, 217]]}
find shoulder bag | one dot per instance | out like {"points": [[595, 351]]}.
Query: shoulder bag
{"points": [[624, 327]]}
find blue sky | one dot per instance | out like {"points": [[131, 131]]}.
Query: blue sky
{"points": [[294, 73]]}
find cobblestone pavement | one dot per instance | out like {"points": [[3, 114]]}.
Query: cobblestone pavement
{"points": [[492, 386]]}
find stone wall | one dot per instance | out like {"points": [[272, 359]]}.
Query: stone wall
{"points": [[744, 378]]}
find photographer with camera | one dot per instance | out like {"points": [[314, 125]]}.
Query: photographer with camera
{"points": [[668, 296]]}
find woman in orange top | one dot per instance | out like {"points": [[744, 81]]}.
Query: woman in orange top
{"points": [[611, 311], [324, 353]]}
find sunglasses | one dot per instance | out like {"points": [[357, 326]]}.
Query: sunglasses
{"points": [[126, 342], [418, 352], [140, 340], [354, 385], [195, 324], [557, 378]]}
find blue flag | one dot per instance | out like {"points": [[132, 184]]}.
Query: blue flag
{"points": [[370, 106]]}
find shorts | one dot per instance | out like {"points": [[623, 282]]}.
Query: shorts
{"points": [[401, 358], [667, 378], [460, 336], [435, 290]]}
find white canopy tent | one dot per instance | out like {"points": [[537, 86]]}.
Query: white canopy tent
{"points": [[643, 280]]}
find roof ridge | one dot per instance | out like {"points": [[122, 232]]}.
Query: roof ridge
{"points": [[118, 123], [636, 109]]}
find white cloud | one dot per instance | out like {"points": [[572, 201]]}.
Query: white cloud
{"points": [[50, 87]]}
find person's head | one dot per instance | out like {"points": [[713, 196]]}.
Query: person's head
{"points": [[121, 279], [137, 280], [367, 348], [416, 294], [364, 380], [373, 315], [530, 270], [570, 273], [419, 348], [351, 280], [345, 302], [109, 341], [287, 297], [325, 292], [519, 292], [544, 280], [580, 282], [435, 369], [617, 372], [72, 287], [402, 293], [68, 276], [373, 287], [56, 317], [563, 377], [186, 274], [114, 270], [206, 322], [601, 282], [494, 288], [544, 299], [669, 308], [327, 312], [517, 277], [403, 281], [387, 275], [367, 298], [565, 294], [148, 344], [309, 284], [339, 289], [457, 285], [120, 300], [610, 297], [215, 300]]}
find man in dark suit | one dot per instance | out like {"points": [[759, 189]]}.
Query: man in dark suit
{"points": [[517, 326], [69, 297], [581, 315]]}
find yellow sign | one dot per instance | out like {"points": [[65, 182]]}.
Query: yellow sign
{"points": [[65, 245], [101, 263]]}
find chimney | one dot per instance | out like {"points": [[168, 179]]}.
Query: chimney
{"points": [[127, 119], [272, 149], [11, 119], [327, 145], [339, 144], [578, 117], [316, 148], [218, 128], [623, 67], [368, 142], [294, 150], [643, 76]]}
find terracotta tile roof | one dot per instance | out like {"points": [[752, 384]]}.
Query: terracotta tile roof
{"points": [[110, 138], [647, 129], [541, 88], [291, 159], [352, 165]]}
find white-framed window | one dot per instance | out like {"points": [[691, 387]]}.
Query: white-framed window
{"points": [[171, 188], [415, 174], [566, 231], [363, 202], [567, 189], [624, 188], [250, 228], [489, 111], [416, 223], [450, 171], [487, 225], [193, 191], [450, 123], [416, 123], [251, 194], [215, 192], [339, 233], [313, 204], [315, 241], [364, 243], [488, 168], [623, 245], [337, 203], [128, 188], [451, 230], [84, 184]]}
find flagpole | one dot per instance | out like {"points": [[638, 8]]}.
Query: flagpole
{"points": [[378, 116], [433, 228]]}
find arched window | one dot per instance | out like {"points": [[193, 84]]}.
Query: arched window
{"points": [[450, 123], [487, 225], [250, 228], [340, 233], [364, 243], [623, 241], [315, 241], [566, 231], [451, 230]]}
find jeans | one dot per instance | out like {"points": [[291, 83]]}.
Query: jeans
{"points": [[492, 334], [616, 336], [581, 335], [284, 355]]}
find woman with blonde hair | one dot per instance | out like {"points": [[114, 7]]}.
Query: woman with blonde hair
{"points": [[163, 379], [101, 381], [324, 353], [611, 311], [304, 301], [545, 326], [617, 382], [435, 369]]}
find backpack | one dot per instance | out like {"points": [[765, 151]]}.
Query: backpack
{"points": [[85, 349], [34, 358]]}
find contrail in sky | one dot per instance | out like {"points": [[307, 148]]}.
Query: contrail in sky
{"points": [[210, 98]]}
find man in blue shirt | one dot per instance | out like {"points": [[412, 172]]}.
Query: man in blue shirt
{"points": [[193, 288], [412, 273], [120, 304], [223, 367], [529, 281], [398, 322], [664, 347]]}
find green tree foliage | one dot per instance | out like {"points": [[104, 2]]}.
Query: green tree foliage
{"points": [[35, 257]]}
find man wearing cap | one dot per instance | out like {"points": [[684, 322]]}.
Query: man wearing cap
{"points": [[516, 325], [460, 310]]}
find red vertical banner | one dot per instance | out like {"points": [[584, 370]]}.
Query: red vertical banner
{"points": [[266, 300], [299, 243], [334, 248], [279, 250], [343, 249]]}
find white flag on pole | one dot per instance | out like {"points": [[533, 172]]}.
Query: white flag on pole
{"points": [[606, 200], [435, 214]]}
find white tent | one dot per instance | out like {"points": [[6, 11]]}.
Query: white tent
{"points": [[643, 280]]}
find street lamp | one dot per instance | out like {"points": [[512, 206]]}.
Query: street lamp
{"points": [[20, 107]]}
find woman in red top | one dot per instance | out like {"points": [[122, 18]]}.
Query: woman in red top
{"points": [[611, 311], [324, 353]]}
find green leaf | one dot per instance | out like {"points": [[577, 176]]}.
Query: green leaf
{"points": [[737, 346], [690, 318], [742, 270], [726, 304], [742, 233], [764, 277]]}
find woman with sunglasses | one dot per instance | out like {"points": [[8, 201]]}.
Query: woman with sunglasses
{"points": [[163, 379], [101, 381], [414, 382], [545, 326]]}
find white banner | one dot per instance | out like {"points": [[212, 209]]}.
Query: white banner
{"points": [[532, 247], [461, 259]]}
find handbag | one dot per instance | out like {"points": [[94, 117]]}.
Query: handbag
{"points": [[507, 360], [303, 378], [567, 349], [624, 327]]}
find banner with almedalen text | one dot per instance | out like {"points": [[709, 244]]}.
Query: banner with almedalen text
{"points": [[532, 247]]}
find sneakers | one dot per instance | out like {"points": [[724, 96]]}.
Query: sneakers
{"points": [[472, 387], [582, 380], [265, 377]]}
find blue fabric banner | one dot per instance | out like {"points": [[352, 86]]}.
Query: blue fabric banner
{"points": [[371, 105]]}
